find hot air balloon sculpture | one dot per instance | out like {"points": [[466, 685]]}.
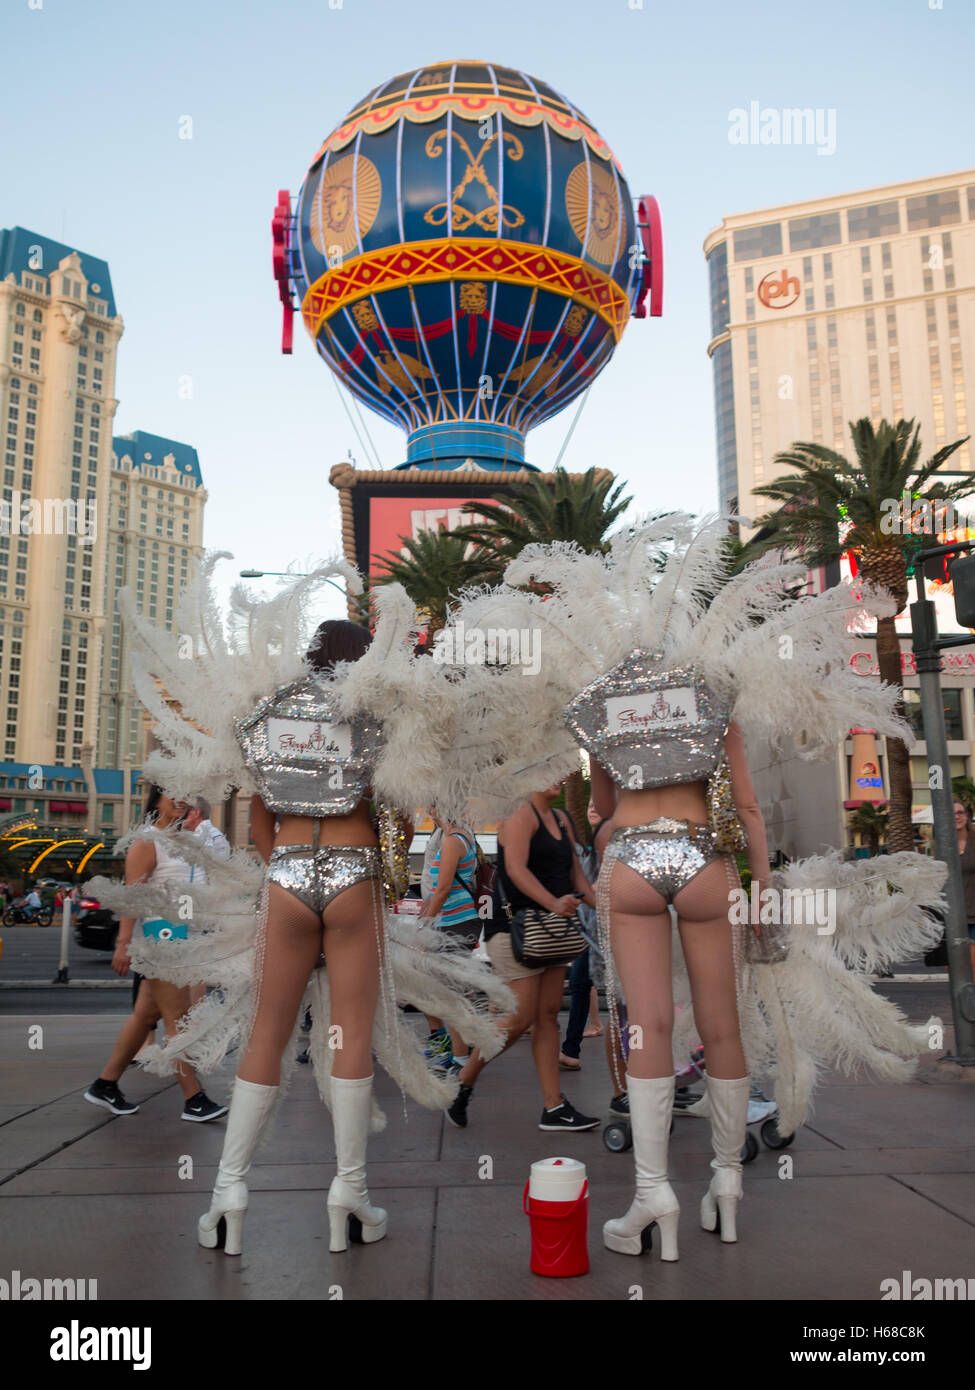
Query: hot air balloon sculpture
{"points": [[466, 254]]}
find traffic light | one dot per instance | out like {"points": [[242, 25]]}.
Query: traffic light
{"points": [[962, 574]]}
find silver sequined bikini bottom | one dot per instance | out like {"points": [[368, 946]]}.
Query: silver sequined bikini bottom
{"points": [[667, 853], [316, 876]]}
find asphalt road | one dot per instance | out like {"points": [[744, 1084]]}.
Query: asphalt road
{"points": [[32, 953]]}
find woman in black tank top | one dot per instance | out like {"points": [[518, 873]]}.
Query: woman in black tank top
{"points": [[539, 868]]}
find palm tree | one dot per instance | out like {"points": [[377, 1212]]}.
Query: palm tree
{"points": [[871, 824], [437, 567], [963, 790], [581, 509], [830, 505]]}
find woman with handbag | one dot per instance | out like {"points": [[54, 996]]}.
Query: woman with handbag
{"points": [[540, 885], [148, 860]]}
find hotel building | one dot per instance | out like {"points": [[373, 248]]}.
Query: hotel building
{"points": [[823, 312], [82, 514]]}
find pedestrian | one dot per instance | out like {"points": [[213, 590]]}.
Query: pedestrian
{"points": [[148, 859], [538, 868], [581, 990], [196, 818], [452, 902]]}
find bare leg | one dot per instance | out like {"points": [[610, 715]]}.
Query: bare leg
{"points": [[640, 937], [352, 960], [706, 936], [545, 1034], [135, 1032], [173, 1001], [614, 1058], [526, 994], [291, 950]]}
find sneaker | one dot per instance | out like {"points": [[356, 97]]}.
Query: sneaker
{"points": [[201, 1108], [109, 1097], [620, 1105], [457, 1112], [439, 1051], [565, 1117]]}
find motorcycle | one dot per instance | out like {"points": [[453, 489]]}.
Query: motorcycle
{"points": [[19, 914]]}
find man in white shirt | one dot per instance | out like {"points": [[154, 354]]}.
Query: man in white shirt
{"points": [[197, 820], [33, 900]]}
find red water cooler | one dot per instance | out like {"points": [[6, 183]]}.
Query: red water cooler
{"points": [[556, 1201]]}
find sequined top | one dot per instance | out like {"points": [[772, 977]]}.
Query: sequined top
{"points": [[305, 759], [650, 727]]}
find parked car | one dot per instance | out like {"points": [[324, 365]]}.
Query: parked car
{"points": [[95, 927]]}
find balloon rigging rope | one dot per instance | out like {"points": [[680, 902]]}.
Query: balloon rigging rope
{"points": [[345, 406], [575, 421]]}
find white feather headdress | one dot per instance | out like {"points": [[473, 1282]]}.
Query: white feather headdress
{"points": [[665, 586], [214, 667]]}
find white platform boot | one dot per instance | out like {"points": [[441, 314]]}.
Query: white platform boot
{"points": [[350, 1214], [729, 1115], [223, 1225], [651, 1110]]}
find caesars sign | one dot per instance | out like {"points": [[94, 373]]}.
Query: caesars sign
{"points": [[865, 663]]}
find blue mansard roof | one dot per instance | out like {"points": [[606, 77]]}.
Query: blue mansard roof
{"points": [[139, 443], [21, 250]]}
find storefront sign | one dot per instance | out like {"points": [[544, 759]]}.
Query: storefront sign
{"points": [[865, 663], [866, 783]]}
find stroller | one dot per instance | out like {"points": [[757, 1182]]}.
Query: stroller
{"points": [[618, 1135]]}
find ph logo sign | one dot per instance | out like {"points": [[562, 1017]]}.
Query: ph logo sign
{"points": [[778, 290]]}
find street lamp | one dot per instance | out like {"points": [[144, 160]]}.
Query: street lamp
{"points": [[285, 574]]}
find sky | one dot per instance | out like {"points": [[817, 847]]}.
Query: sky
{"points": [[96, 94]]}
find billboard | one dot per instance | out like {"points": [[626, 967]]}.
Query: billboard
{"points": [[393, 518]]}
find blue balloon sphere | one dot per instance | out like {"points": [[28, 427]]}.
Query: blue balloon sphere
{"points": [[466, 257]]}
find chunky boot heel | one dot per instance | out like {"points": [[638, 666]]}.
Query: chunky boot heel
{"points": [[616, 1238], [720, 1214], [222, 1227], [651, 1106], [338, 1229], [351, 1217], [227, 1235]]}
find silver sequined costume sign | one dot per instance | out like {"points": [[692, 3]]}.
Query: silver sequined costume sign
{"points": [[305, 759], [650, 728]]}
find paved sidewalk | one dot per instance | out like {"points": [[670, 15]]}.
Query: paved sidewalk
{"points": [[881, 1183]]}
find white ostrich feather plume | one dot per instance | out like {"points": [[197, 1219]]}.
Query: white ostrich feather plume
{"points": [[214, 668]]}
